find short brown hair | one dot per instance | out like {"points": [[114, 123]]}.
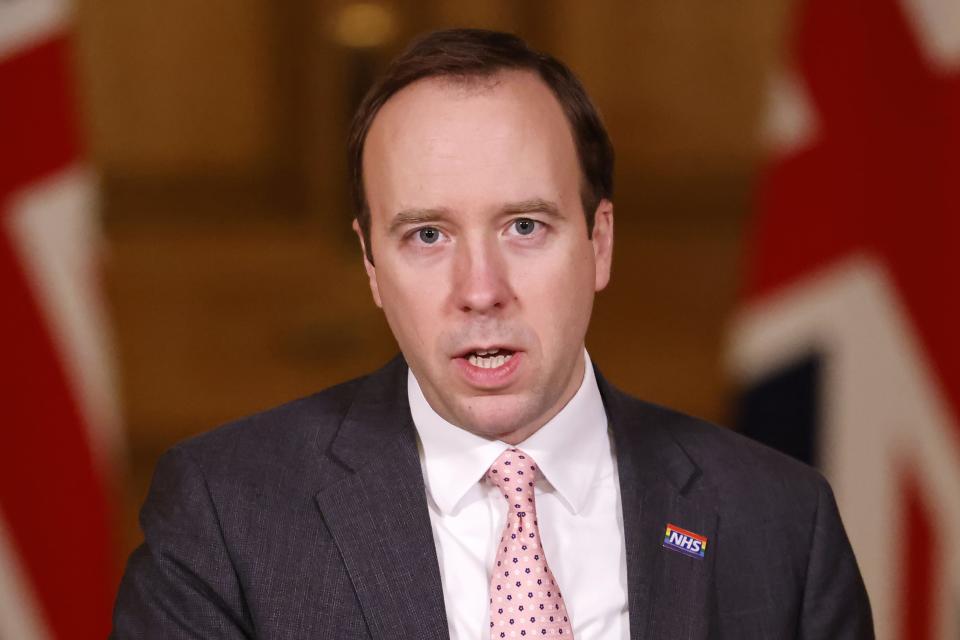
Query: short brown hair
{"points": [[464, 54]]}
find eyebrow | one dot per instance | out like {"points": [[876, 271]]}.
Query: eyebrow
{"points": [[415, 216], [409, 217], [534, 205]]}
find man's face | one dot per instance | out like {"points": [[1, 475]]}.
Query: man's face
{"points": [[484, 268]]}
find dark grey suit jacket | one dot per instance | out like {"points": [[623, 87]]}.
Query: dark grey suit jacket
{"points": [[311, 521]]}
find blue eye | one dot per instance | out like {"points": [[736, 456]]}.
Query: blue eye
{"points": [[429, 235], [524, 226]]}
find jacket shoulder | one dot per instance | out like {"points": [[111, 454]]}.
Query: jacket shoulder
{"points": [[747, 476], [277, 435]]}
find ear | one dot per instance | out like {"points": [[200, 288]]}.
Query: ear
{"points": [[603, 242], [371, 270]]}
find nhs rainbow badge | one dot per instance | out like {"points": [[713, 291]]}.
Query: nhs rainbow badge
{"points": [[686, 542]]}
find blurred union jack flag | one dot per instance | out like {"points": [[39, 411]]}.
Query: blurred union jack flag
{"points": [[847, 345], [58, 415]]}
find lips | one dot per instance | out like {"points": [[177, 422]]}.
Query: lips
{"points": [[489, 358], [489, 367], [487, 350]]}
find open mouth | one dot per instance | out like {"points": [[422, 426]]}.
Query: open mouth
{"points": [[490, 358]]}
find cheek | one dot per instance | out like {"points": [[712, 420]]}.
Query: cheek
{"points": [[411, 306], [558, 300]]}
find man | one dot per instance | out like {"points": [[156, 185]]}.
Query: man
{"points": [[489, 483]]}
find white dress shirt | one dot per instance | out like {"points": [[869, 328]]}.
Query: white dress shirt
{"points": [[578, 511]]}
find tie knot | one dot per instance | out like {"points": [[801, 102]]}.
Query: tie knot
{"points": [[515, 473]]}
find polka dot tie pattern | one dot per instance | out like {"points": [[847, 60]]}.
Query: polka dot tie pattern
{"points": [[525, 600]]}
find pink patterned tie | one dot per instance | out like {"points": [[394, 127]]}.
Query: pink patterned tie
{"points": [[525, 600]]}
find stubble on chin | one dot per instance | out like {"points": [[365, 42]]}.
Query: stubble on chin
{"points": [[510, 419]]}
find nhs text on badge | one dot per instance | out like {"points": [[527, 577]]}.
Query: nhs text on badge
{"points": [[686, 542]]}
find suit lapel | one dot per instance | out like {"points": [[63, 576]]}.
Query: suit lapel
{"points": [[669, 593], [374, 505]]}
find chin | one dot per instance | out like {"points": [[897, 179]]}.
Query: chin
{"points": [[497, 417]]}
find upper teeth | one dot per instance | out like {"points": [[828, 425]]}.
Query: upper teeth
{"points": [[479, 360]]}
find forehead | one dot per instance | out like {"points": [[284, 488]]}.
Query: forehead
{"points": [[466, 144]]}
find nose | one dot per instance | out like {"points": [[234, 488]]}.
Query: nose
{"points": [[481, 282]]}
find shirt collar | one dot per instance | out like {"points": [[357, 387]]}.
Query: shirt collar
{"points": [[568, 448]]}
